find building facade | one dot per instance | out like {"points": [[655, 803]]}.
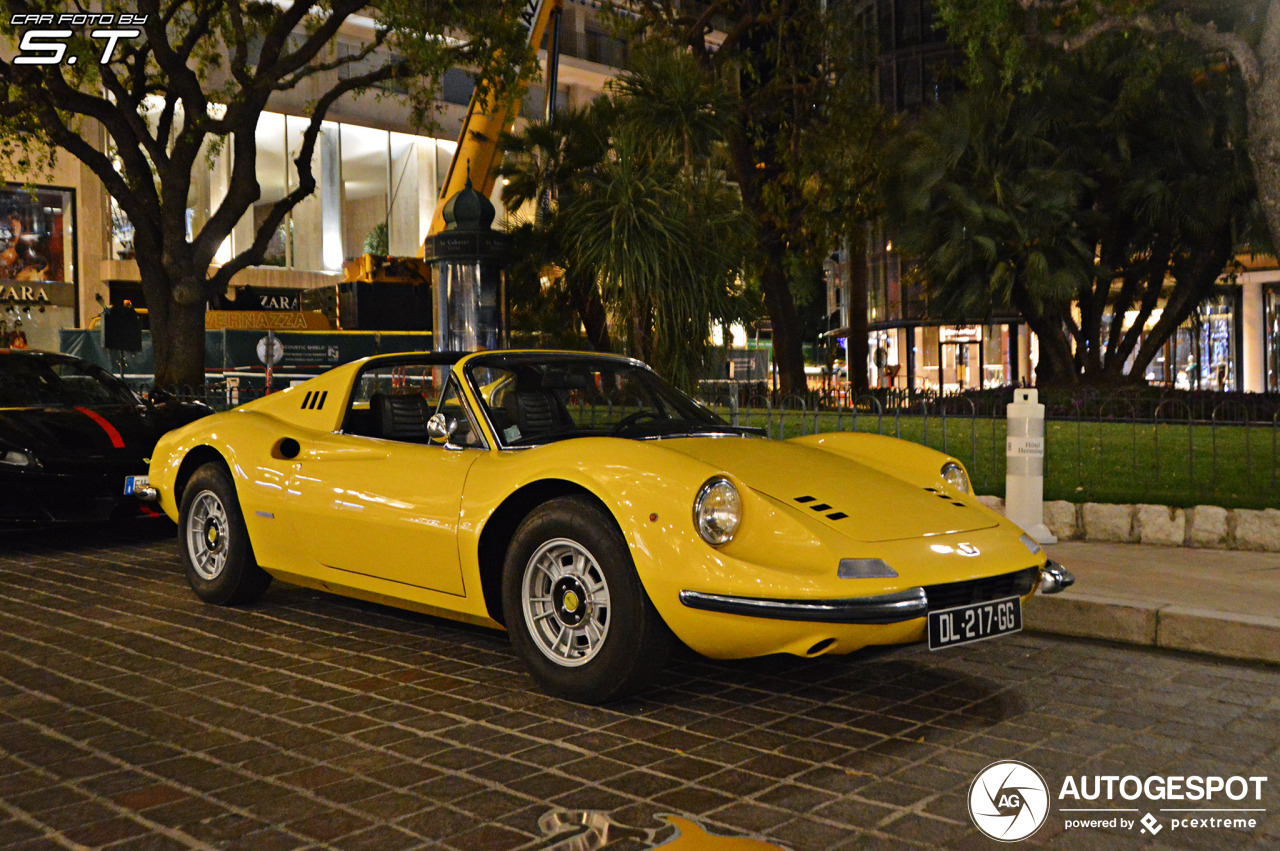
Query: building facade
{"points": [[69, 246]]}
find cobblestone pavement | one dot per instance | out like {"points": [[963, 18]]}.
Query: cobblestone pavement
{"points": [[134, 717]]}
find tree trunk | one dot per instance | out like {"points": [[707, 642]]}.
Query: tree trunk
{"points": [[1056, 365], [788, 350], [584, 295], [858, 330], [1263, 98], [753, 183], [1194, 282], [177, 338]]}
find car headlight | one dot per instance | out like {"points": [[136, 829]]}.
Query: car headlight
{"points": [[1031, 544], [717, 511], [954, 475], [17, 458]]}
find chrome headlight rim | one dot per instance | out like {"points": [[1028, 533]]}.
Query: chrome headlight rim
{"points": [[717, 485], [954, 474]]}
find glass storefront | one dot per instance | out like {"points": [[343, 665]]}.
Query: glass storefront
{"points": [[37, 270], [1204, 353], [375, 190], [1271, 334], [945, 358]]}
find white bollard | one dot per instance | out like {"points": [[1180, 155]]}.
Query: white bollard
{"points": [[1024, 472]]}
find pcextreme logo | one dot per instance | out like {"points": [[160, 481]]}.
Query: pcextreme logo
{"points": [[1008, 800]]}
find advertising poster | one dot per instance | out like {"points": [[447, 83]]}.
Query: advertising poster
{"points": [[37, 295]]}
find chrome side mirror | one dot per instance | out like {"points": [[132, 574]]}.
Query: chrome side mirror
{"points": [[440, 427]]}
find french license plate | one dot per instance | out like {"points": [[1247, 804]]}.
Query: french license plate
{"points": [[134, 483], [976, 622]]}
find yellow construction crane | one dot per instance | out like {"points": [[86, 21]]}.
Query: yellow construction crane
{"points": [[478, 156]]}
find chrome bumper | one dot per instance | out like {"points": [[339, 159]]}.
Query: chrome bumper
{"points": [[146, 494], [1055, 578], [885, 608], [880, 609]]}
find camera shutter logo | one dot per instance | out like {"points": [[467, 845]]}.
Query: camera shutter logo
{"points": [[1008, 801]]}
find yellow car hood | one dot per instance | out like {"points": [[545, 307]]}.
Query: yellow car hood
{"points": [[852, 498]]}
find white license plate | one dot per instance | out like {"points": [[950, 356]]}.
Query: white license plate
{"points": [[133, 484], [976, 622]]}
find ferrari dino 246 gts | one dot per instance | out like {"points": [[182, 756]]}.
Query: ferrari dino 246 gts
{"points": [[592, 510]]}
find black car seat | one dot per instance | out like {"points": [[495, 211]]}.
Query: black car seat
{"points": [[535, 410], [401, 416]]}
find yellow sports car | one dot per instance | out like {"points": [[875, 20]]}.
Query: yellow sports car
{"points": [[594, 511]]}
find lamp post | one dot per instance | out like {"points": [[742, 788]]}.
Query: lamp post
{"points": [[468, 260]]}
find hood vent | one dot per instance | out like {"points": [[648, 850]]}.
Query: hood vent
{"points": [[820, 507], [940, 495], [823, 508]]}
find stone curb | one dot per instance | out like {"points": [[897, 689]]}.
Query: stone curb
{"points": [[1245, 637], [1160, 525]]}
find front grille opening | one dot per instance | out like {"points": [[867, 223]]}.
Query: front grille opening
{"points": [[948, 595]]}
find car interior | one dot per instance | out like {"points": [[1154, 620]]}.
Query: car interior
{"points": [[397, 401]]}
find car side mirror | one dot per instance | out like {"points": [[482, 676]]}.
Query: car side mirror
{"points": [[440, 427]]}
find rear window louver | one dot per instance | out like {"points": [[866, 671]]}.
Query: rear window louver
{"points": [[314, 400]]}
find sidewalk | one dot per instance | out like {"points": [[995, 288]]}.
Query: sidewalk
{"points": [[1223, 602]]}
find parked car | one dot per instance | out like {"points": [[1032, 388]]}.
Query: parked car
{"points": [[71, 437], [595, 512]]}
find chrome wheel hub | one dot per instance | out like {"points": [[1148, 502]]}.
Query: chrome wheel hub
{"points": [[206, 535], [566, 602]]}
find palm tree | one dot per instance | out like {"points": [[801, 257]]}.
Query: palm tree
{"points": [[642, 217], [982, 203], [543, 165]]}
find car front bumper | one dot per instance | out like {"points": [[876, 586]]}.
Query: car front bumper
{"points": [[882, 608], [749, 626], [42, 498]]}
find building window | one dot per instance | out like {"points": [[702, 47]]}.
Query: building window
{"points": [[457, 87], [37, 270], [373, 188]]}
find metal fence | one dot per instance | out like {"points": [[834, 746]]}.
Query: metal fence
{"points": [[1105, 449], [1173, 451]]}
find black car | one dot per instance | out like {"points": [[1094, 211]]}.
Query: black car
{"points": [[71, 434]]}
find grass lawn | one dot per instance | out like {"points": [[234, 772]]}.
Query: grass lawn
{"points": [[1165, 463]]}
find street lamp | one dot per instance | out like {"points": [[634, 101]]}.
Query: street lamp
{"points": [[468, 260]]}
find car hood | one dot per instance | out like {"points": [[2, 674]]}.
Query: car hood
{"points": [[852, 498], [108, 432]]}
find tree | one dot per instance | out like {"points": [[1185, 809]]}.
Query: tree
{"points": [[644, 219], [1118, 181], [195, 79], [1244, 33], [542, 165], [800, 139]]}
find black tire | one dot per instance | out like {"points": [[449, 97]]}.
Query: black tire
{"points": [[216, 554], [615, 642]]}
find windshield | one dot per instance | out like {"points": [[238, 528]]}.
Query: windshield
{"points": [[56, 382], [533, 398]]}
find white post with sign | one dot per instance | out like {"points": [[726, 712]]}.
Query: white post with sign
{"points": [[270, 352], [1024, 474]]}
